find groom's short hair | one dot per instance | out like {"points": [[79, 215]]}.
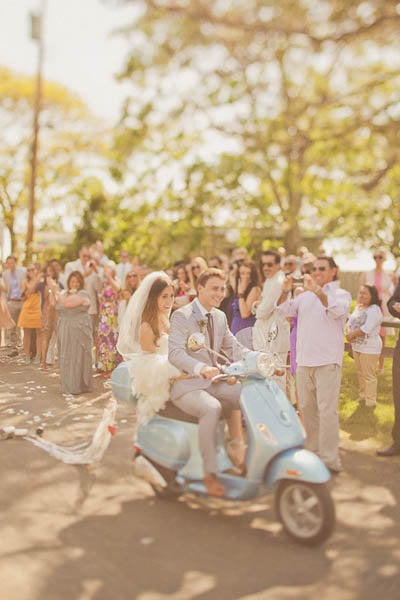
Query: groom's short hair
{"points": [[208, 273]]}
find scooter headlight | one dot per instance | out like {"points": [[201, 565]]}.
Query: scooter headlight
{"points": [[265, 364]]}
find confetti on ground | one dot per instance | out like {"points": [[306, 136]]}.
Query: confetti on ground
{"points": [[146, 541]]}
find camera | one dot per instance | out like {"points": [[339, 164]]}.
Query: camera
{"points": [[297, 281]]}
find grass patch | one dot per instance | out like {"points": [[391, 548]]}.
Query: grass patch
{"points": [[360, 422]]}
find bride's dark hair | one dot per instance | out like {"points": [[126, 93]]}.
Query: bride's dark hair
{"points": [[150, 311]]}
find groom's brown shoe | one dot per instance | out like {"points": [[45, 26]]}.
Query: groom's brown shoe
{"points": [[213, 485]]}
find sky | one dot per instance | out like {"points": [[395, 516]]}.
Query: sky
{"points": [[80, 50]]}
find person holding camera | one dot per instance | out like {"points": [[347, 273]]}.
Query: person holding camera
{"points": [[321, 311], [271, 330]]}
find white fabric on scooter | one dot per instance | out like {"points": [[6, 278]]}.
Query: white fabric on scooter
{"points": [[151, 373]]}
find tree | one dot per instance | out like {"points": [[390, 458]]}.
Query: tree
{"points": [[299, 100], [73, 145]]}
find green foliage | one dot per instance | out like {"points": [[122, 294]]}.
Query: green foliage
{"points": [[359, 422], [70, 142], [282, 117]]}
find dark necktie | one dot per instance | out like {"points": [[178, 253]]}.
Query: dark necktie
{"points": [[210, 331]]}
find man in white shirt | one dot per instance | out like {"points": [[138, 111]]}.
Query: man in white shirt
{"points": [[123, 267], [321, 311], [81, 264], [271, 330]]}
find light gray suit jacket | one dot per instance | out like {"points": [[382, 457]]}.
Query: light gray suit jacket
{"points": [[184, 322]]}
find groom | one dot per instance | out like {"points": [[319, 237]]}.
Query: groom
{"points": [[199, 396]]}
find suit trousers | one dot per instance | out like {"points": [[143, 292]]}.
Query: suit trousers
{"points": [[208, 406], [396, 393], [318, 391]]}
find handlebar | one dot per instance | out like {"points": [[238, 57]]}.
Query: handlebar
{"points": [[230, 379]]}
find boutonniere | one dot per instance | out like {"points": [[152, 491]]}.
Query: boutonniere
{"points": [[203, 325]]}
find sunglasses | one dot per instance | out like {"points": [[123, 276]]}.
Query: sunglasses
{"points": [[380, 257], [319, 268], [31, 269], [195, 267], [133, 275], [268, 264]]}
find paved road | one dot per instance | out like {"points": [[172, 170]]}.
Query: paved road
{"points": [[73, 533]]}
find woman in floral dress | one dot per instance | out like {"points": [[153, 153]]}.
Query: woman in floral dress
{"points": [[106, 352]]}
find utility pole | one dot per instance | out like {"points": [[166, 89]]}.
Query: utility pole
{"points": [[36, 35]]}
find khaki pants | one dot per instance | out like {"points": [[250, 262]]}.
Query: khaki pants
{"points": [[366, 365], [318, 391]]}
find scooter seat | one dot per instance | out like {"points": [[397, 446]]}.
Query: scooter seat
{"points": [[173, 412]]}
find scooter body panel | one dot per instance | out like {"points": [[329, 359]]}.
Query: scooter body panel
{"points": [[236, 488], [121, 384], [174, 445], [272, 425], [297, 464]]}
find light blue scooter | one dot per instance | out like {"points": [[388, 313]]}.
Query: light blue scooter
{"points": [[167, 453]]}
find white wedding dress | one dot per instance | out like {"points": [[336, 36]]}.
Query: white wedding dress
{"points": [[151, 375], [150, 372]]}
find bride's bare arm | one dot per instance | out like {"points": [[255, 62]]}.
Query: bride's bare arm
{"points": [[147, 338]]}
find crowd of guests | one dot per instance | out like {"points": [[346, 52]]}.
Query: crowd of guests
{"points": [[289, 304]]}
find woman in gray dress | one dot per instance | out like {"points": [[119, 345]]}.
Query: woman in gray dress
{"points": [[74, 337]]}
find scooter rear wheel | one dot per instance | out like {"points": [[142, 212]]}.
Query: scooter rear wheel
{"points": [[306, 511]]}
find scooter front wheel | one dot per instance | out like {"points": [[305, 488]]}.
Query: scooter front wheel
{"points": [[306, 511]]}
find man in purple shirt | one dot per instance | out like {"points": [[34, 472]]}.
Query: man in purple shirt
{"points": [[321, 311]]}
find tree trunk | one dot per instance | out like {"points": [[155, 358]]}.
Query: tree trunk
{"points": [[292, 238]]}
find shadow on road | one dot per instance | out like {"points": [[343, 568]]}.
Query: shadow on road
{"points": [[153, 549]]}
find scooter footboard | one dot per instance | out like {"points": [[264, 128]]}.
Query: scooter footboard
{"points": [[296, 464]]}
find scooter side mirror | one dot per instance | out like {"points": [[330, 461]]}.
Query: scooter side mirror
{"points": [[196, 341]]}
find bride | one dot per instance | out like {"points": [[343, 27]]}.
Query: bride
{"points": [[143, 342]]}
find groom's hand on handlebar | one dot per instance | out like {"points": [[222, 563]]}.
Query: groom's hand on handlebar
{"points": [[209, 372]]}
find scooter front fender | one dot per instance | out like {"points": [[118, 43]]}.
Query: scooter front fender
{"points": [[296, 464]]}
